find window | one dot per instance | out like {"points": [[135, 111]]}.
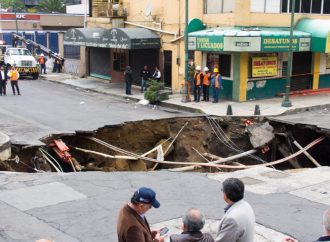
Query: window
{"points": [[221, 61], [218, 6], [327, 65], [307, 6], [72, 52]]}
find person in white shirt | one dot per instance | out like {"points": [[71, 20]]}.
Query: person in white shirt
{"points": [[157, 75]]}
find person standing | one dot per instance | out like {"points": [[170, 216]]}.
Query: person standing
{"points": [[206, 84], [42, 62], [157, 75], [132, 225], [237, 225], [145, 75], [14, 76], [198, 77], [128, 80], [216, 84], [3, 81], [193, 223]]}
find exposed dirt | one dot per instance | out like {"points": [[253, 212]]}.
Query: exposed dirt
{"points": [[191, 137]]}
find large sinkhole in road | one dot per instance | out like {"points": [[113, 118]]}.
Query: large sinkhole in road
{"points": [[205, 144]]}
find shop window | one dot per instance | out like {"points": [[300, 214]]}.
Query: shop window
{"points": [[316, 6], [72, 52], [221, 61], [326, 7], [327, 63], [306, 6], [119, 61]]}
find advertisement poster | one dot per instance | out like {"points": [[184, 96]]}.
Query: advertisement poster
{"points": [[264, 66]]}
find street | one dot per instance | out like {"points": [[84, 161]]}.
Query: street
{"points": [[45, 107]]}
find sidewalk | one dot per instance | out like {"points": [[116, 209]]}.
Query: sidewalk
{"points": [[268, 107]]}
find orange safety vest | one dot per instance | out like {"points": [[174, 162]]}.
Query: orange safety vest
{"points": [[198, 78], [206, 79], [13, 75], [42, 60]]}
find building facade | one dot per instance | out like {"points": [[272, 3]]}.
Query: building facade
{"points": [[247, 39]]}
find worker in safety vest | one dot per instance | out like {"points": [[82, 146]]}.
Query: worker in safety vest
{"points": [[198, 79], [42, 62], [216, 84], [206, 84], [14, 76]]}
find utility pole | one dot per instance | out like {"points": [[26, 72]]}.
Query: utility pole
{"points": [[186, 98], [286, 101], [14, 8]]}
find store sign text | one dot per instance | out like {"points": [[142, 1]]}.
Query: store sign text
{"points": [[264, 66], [209, 43]]}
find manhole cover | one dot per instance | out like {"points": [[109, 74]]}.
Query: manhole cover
{"points": [[275, 174], [250, 181]]}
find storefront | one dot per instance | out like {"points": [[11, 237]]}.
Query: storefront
{"points": [[320, 47], [109, 51], [253, 61]]}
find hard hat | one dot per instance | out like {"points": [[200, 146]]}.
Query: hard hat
{"points": [[206, 68], [198, 68], [42, 54], [216, 70]]}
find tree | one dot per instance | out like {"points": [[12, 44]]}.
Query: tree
{"points": [[52, 6], [12, 5]]}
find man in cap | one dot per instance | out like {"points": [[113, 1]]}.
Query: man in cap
{"points": [[216, 84], [132, 224]]}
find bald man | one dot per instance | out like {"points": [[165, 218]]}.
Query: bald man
{"points": [[193, 222]]}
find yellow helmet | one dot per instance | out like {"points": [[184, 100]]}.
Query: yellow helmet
{"points": [[215, 70]]}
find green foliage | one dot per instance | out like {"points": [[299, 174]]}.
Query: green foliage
{"points": [[152, 93], [13, 5], [51, 6]]}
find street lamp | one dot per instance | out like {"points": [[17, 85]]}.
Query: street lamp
{"points": [[186, 93], [286, 101]]}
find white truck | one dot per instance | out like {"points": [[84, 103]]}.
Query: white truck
{"points": [[25, 63]]}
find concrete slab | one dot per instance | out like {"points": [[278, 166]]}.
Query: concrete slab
{"points": [[318, 193], [40, 196]]}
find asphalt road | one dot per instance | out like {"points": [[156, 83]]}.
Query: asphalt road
{"points": [[46, 107]]}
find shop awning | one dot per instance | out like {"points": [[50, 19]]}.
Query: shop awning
{"points": [[119, 38], [248, 39], [132, 38], [85, 37], [320, 32]]}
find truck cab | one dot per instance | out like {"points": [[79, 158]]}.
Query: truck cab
{"points": [[25, 63]]}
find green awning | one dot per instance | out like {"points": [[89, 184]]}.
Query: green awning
{"points": [[248, 39], [84, 37], [320, 31], [120, 38]]}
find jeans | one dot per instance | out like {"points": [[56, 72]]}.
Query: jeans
{"points": [[197, 93], [14, 84], [143, 83], [128, 88], [216, 94]]}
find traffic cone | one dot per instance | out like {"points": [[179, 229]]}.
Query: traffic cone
{"points": [[229, 110], [257, 110]]}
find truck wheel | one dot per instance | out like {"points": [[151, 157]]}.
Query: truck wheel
{"points": [[35, 76]]}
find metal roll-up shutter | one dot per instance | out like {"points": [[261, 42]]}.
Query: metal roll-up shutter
{"points": [[99, 63], [53, 42]]}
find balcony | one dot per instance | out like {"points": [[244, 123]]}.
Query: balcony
{"points": [[112, 9]]}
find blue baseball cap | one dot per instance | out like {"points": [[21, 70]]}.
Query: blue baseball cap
{"points": [[147, 196]]}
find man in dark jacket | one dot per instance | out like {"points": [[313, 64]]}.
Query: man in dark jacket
{"points": [[132, 224], [3, 81], [128, 80], [145, 75], [193, 222]]}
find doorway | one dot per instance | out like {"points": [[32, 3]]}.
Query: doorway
{"points": [[168, 68], [302, 77]]}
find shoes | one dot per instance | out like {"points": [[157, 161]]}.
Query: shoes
{"points": [[19, 94], [215, 102]]}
